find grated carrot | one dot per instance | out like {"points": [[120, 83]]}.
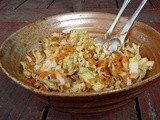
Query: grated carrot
{"points": [[30, 66], [42, 87], [92, 61], [101, 63], [53, 76], [44, 73], [61, 56], [68, 48], [125, 78], [29, 81]]}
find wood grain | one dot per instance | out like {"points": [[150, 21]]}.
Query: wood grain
{"points": [[100, 4], [149, 103], [31, 4], [10, 4], [7, 28], [134, 4], [156, 4], [30, 15], [149, 17], [78, 5], [60, 4], [16, 102]]}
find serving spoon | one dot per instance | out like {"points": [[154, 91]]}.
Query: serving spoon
{"points": [[119, 39]]}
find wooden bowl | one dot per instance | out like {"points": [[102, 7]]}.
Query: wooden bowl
{"points": [[13, 50]]}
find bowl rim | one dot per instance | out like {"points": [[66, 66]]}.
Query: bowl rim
{"points": [[81, 94]]}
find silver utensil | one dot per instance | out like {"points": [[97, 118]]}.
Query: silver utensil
{"points": [[119, 39], [108, 33]]}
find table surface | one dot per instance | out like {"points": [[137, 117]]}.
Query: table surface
{"points": [[17, 103]]}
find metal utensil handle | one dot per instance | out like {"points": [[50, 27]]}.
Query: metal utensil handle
{"points": [[108, 33], [130, 22]]}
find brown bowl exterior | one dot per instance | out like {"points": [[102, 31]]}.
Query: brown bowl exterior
{"points": [[14, 49]]}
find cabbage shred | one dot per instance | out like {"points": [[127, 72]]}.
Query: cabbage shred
{"points": [[74, 62]]}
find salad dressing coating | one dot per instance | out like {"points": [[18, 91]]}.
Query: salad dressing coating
{"points": [[74, 62]]}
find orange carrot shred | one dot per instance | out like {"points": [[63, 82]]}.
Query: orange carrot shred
{"points": [[61, 56], [30, 66], [101, 63], [53, 76], [30, 54], [43, 88], [44, 74], [29, 81], [92, 61], [68, 48]]}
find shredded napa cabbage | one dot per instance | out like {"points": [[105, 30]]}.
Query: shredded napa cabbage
{"points": [[75, 62]]}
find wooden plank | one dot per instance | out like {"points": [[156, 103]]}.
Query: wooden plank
{"points": [[150, 103], [150, 17], [10, 4], [9, 103], [29, 14], [56, 115], [156, 3], [7, 28], [134, 4], [59, 4], [145, 15], [155, 25], [31, 4], [127, 112], [34, 110], [78, 5], [91, 4], [100, 4], [15, 101], [3, 3]]}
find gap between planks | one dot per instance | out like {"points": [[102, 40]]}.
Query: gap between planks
{"points": [[117, 2], [23, 2], [138, 109], [45, 113], [50, 4], [20, 4], [47, 108]]}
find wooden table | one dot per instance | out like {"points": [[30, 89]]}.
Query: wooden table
{"points": [[17, 103]]}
